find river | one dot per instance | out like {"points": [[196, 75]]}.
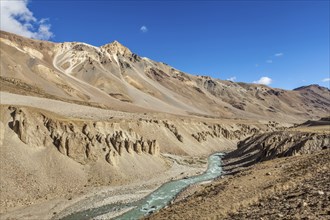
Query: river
{"points": [[155, 200]]}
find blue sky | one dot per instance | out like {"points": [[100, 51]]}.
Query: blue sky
{"points": [[286, 42]]}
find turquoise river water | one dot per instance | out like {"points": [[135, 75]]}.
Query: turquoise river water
{"points": [[155, 200]]}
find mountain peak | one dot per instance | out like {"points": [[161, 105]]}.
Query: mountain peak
{"points": [[312, 86], [117, 48], [117, 44]]}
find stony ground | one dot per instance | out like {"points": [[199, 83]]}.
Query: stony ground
{"points": [[309, 199], [295, 187]]}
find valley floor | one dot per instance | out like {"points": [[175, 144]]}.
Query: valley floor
{"points": [[294, 186], [39, 182]]}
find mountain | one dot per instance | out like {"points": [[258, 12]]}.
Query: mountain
{"points": [[113, 77], [83, 126]]}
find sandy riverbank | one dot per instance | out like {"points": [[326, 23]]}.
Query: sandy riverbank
{"points": [[99, 196]]}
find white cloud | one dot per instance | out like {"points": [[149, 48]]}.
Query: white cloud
{"points": [[278, 54], [269, 61], [326, 80], [264, 80], [144, 29], [257, 65], [15, 17], [233, 78]]}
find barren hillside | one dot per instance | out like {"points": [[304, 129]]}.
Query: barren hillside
{"points": [[281, 175], [113, 77], [82, 125]]}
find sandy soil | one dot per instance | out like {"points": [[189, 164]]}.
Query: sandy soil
{"points": [[63, 108], [80, 111]]}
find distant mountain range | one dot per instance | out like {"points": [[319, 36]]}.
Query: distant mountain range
{"points": [[111, 76]]}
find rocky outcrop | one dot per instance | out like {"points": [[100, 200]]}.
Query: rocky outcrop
{"points": [[117, 49], [272, 145], [83, 142], [232, 132], [90, 141], [238, 105], [155, 74], [174, 130], [26, 129], [323, 121]]}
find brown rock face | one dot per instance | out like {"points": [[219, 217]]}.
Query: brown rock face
{"points": [[118, 49], [280, 144], [217, 131], [174, 130], [18, 124], [23, 127], [83, 143]]}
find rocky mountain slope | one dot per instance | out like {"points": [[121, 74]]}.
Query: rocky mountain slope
{"points": [[277, 144], [296, 140], [281, 174], [284, 188], [75, 117], [111, 76]]}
